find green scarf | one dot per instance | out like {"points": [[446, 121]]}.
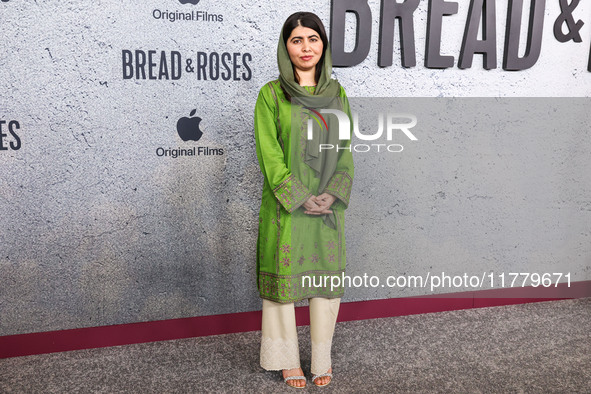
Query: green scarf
{"points": [[326, 95]]}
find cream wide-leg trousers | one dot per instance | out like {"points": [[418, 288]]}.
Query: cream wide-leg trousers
{"points": [[279, 339]]}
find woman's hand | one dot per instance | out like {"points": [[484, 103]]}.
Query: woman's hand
{"points": [[313, 206], [325, 200], [319, 205]]}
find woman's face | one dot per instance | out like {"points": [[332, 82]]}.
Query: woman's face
{"points": [[305, 48]]}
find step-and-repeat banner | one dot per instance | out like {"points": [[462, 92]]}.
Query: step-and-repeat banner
{"points": [[130, 187]]}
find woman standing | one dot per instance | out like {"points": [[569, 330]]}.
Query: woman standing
{"points": [[308, 174]]}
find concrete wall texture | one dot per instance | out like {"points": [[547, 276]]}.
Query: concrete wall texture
{"points": [[100, 225]]}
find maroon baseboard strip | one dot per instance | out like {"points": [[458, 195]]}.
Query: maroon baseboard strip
{"points": [[125, 334]]}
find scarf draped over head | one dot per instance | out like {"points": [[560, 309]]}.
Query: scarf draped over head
{"points": [[326, 95]]}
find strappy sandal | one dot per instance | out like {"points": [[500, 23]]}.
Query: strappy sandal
{"points": [[295, 378], [321, 376]]}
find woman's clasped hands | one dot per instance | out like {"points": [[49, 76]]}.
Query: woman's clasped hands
{"points": [[319, 205]]}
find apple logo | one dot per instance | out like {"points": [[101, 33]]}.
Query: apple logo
{"points": [[194, 2], [188, 128]]}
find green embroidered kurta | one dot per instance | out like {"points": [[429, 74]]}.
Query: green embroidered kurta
{"points": [[291, 244]]}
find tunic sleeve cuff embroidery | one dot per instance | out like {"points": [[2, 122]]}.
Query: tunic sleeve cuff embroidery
{"points": [[292, 193], [340, 186]]}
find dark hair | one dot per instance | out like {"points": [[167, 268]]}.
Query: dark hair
{"points": [[309, 20]]}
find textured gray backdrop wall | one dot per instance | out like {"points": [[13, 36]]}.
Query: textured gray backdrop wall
{"points": [[101, 225]]}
